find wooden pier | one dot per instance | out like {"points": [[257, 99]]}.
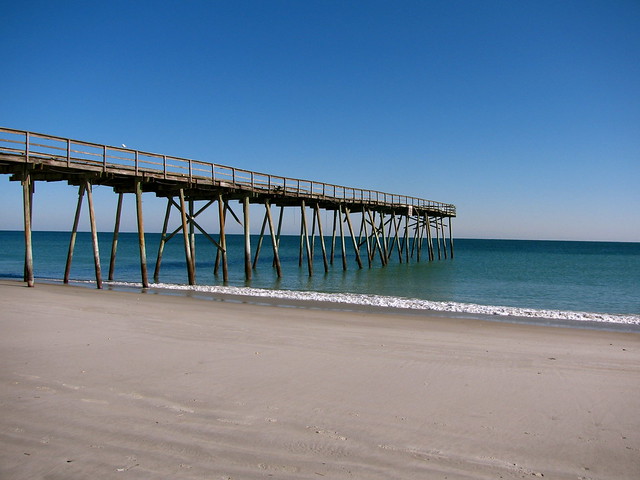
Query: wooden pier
{"points": [[378, 225]]}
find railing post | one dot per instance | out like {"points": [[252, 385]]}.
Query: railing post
{"points": [[190, 167], [26, 146], [68, 152], [233, 175], [136, 163], [213, 173], [104, 158], [164, 165]]}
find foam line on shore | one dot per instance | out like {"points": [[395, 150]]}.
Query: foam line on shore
{"points": [[396, 302]]}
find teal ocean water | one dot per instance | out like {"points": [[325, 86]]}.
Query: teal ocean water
{"points": [[591, 281]]}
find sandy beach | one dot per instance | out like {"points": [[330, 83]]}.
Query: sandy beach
{"points": [[106, 384]]}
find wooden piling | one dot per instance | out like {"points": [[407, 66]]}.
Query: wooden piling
{"points": [[74, 231], [353, 238], [363, 226], [163, 240], [247, 238], [322, 246], [438, 239], [28, 248], [223, 239], [344, 248], [259, 246], [333, 237], [444, 240], [429, 237], [274, 240], [450, 238], [94, 235], [185, 234], [306, 238], [114, 242], [192, 237], [383, 240], [278, 231], [141, 240]]}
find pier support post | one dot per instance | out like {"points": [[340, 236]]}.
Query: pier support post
{"points": [[94, 235], [383, 241], [438, 238], [333, 238], [366, 236], [450, 237], [429, 238], [141, 242], [185, 234], [344, 248], [192, 238], [306, 239], [27, 190], [322, 246], [114, 243], [222, 212], [405, 243], [74, 231], [274, 240], [260, 239], [353, 238], [278, 232], [247, 238], [163, 240], [444, 238]]}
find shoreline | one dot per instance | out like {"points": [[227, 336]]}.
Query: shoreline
{"points": [[112, 384], [351, 302]]}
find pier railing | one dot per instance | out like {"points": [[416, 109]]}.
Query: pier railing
{"points": [[30, 147]]}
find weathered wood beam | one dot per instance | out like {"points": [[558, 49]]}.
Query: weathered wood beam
{"points": [[141, 241], [163, 240], [306, 238], [27, 199], [247, 238], [185, 234], [114, 242], [94, 235], [353, 238], [322, 246], [274, 240], [223, 240], [74, 231]]}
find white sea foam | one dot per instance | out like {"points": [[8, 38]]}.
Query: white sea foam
{"points": [[397, 302]]}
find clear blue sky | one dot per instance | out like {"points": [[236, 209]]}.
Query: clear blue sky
{"points": [[525, 114]]}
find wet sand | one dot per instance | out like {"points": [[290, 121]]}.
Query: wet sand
{"points": [[105, 384]]}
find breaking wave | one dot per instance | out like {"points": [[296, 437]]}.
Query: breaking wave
{"points": [[346, 299]]}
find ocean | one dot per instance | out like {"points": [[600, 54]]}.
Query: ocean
{"points": [[575, 283]]}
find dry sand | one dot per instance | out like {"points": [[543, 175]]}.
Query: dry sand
{"points": [[104, 384]]}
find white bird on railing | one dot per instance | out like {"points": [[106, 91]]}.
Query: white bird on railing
{"points": [[124, 145]]}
